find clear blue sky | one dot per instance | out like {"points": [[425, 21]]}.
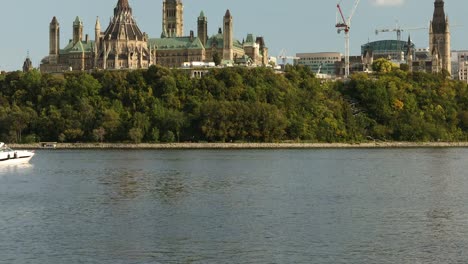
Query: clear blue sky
{"points": [[293, 25]]}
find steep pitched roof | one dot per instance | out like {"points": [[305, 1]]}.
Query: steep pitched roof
{"points": [[77, 21], [78, 47], [54, 21], [123, 26], [218, 41], [439, 21], [202, 15], [178, 43]]}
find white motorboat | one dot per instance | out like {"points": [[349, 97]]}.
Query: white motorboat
{"points": [[9, 156]]}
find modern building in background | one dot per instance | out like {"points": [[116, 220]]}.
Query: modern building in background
{"points": [[124, 46], [460, 65], [320, 62], [393, 50]]}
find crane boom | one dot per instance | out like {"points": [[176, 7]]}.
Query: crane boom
{"points": [[345, 26], [342, 16], [353, 11], [398, 30]]}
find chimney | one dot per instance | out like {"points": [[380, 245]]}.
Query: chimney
{"points": [[191, 35], [87, 38]]}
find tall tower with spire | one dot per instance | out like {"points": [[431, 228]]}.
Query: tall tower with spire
{"points": [[228, 50], [173, 18], [203, 28], [54, 41], [439, 39], [409, 55], [77, 30], [97, 33]]}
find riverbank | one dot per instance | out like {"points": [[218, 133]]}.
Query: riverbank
{"points": [[248, 145]]}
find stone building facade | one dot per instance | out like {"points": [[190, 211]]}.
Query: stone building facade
{"points": [[122, 45], [439, 39]]}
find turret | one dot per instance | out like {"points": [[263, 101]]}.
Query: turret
{"points": [[54, 41], [409, 55], [203, 28], [77, 30], [27, 65], [97, 33], [228, 52]]}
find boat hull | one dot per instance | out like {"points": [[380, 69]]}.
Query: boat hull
{"points": [[21, 158]]}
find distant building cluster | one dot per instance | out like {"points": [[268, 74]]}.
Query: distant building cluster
{"points": [[437, 58], [122, 45]]}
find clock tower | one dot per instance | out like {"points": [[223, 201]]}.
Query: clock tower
{"points": [[439, 39]]}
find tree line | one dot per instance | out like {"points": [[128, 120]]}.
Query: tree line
{"points": [[230, 105]]}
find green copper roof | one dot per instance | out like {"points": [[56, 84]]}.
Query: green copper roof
{"points": [[218, 41], [250, 39], [79, 47], [243, 59], [77, 21], [180, 43], [238, 44], [202, 15]]}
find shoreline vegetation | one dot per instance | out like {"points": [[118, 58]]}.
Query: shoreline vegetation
{"points": [[191, 146], [233, 105]]}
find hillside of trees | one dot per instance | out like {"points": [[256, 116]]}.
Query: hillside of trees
{"points": [[230, 104]]}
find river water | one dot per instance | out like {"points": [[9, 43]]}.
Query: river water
{"points": [[236, 206]]}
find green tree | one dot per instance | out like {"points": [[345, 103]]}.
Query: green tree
{"points": [[136, 135], [99, 134], [382, 65]]}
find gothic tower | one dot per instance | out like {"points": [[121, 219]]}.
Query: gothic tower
{"points": [[409, 55], [228, 52], [54, 41], [439, 39], [173, 18], [203, 28], [77, 30]]}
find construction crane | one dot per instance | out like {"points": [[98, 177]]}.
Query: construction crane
{"points": [[345, 25], [398, 30], [284, 58], [319, 69]]}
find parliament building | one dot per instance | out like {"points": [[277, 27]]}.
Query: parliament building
{"points": [[122, 45]]}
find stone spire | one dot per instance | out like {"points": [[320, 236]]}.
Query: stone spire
{"points": [[440, 39], [409, 55], [202, 28], [27, 65], [439, 21], [123, 26], [54, 41], [77, 30], [97, 33], [122, 7], [228, 51]]}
